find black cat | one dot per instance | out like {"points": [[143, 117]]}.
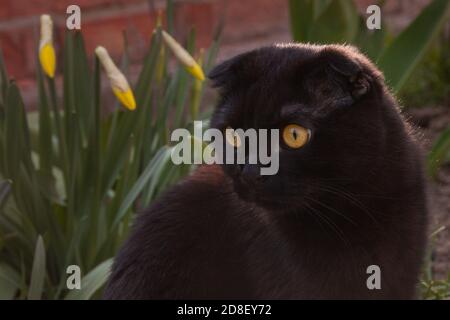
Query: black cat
{"points": [[349, 192]]}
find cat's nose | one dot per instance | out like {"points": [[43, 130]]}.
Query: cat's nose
{"points": [[251, 172]]}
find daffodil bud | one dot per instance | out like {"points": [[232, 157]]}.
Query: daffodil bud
{"points": [[183, 56], [47, 56], [119, 83]]}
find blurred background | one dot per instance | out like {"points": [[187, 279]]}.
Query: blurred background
{"points": [[249, 24], [412, 48]]}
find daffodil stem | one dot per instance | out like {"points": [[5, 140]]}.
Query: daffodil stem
{"points": [[197, 89], [60, 133], [196, 99], [97, 133], [112, 129], [170, 15], [115, 114]]}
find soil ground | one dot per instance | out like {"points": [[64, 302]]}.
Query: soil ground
{"points": [[431, 121]]}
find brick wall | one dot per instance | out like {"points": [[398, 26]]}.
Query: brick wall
{"points": [[248, 24], [103, 22]]}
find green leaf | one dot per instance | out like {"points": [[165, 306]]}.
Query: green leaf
{"points": [[59, 125], [12, 132], [45, 128], [301, 18], [3, 80], [319, 6], [371, 42], [337, 24], [162, 172], [38, 272], [123, 184], [439, 152], [93, 281], [170, 16], [148, 172], [399, 59], [82, 80], [5, 189], [9, 282], [148, 70]]}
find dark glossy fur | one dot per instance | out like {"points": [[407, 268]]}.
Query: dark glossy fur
{"points": [[352, 197]]}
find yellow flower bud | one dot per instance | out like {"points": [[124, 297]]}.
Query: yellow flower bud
{"points": [[47, 55], [183, 56], [119, 83]]}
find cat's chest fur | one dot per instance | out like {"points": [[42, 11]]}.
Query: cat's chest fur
{"points": [[201, 241], [296, 259]]}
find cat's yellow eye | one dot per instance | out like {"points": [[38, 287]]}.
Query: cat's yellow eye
{"points": [[295, 136], [232, 137]]}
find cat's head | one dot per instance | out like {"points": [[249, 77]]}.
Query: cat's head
{"points": [[327, 102]]}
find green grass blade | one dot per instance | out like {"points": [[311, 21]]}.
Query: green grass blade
{"points": [[371, 42], [170, 16], [399, 59], [13, 142], [301, 18], [5, 190], [9, 282], [45, 128], [82, 86], [3, 80], [68, 85], [149, 69], [162, 171], [59, 126], [319, 6], [38, 272], [337, 24], [121, 185], [141, 182], [438, 153], [182, 90]]}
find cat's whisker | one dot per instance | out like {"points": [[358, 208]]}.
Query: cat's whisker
{"points": [[329, 223], [351, 198], [320, 203]]}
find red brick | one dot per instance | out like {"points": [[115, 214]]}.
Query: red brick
{"points": [[23, 8], [198, 15], [19, 50], [254, 17], [4, 9]]}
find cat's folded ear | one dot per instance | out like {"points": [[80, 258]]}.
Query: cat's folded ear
{"points": [[348, 66], [238, 70]]}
